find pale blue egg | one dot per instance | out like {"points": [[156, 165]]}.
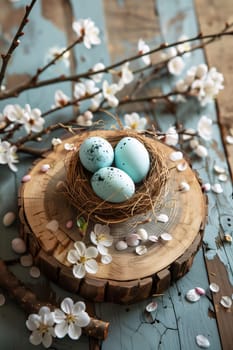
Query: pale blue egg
{"points": [[112, 185], [95, 153], [132, 157]]}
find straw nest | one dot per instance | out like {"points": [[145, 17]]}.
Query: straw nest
{"points": [[148, 194]]}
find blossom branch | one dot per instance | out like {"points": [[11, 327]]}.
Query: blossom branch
{"points": [[15, 42], [76, 77]]}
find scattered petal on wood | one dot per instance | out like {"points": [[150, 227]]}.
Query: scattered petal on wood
{"points": [[106, 259], [226, 302], [2, 299], [192, 295], [26, 178], [214, 287], [142, 234], [69, 146], [174, 156], [151, 306], [121, 245], [153, 238], [229, 139], [202, 341], [227, 237], [165, 237], [141, 250], [44, 168], [182, 166], [222, 177], [218, 169], [184, 187], [206, 187], [200, 291], [52, 225], [217, 188], [132, 240], [34, 272], [162, 218], [8, 218], [18, 245], [26, 260], [69, 224]]}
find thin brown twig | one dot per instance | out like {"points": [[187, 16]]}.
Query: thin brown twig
{"points": [[15, 42], [76, 77]]}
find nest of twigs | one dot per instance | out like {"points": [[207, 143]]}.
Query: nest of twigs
{"points": [[148, 194]]}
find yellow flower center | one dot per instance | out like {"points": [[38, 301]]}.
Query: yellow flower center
{"points": [[100, 237], [70, 318], [134, 125], [43, 328], [82, 259]]}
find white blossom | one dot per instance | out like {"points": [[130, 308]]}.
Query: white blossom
{"points": [[126, 76], [134, 121], [14, 113], [176, 65], [185, 47], [204, 128], [33, 122], [61, 99], [96, 101], [87, 31], [181, 86], [142, 49], [8, 154], [70, 319], [170, 53], [55, 51], [109, 91], [101, 237], [41, 325], [85, 119], [56, 141], [98, 76], [79, 90], [171, 137], [83, 259], [85, 88]]}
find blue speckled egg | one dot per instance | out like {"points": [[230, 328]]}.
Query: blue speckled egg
{"points": [[95, 153], [132, 157], [112, 185]]}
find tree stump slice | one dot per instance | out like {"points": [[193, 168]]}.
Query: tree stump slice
{"points": [[129, 277]]}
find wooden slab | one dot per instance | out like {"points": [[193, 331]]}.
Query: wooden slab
{"points": [[41, 202]]}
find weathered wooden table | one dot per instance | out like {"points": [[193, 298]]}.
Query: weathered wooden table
{"points": [[176, 322]]}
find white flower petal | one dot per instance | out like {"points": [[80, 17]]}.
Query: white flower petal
{"points": [[61, 329], [59, 316], [67, 305], [73, 256], [35, 338], [83, 319], [91, 266], [106, 259], [79, 271], [81, 248], [47, 340], [33, 322], [91, 252], [79, 307], [74, 331], [102, 249]]}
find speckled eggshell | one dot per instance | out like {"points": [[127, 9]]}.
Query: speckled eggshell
{"points": [[95, 153], [132, 157], [112, 185]]}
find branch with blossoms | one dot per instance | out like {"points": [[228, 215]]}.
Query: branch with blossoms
{"points": [[94, 86]]}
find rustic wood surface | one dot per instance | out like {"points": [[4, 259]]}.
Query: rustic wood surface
{"points": [[176, 322], [41, 202]]}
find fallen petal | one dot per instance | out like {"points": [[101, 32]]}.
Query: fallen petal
{"points": [[200, 291], [192, 295], [44, 168], [121, 245], [166, 237], [184, 187], [206, 187], [151, 306], [222, 177], [34, 272], [26, 260], [218, 169], [227, 237], [106, 259], [142, 234], [26, 178], [202, 341], [182, 166], [174, 156], [229, 139], [153, 238], [214, 287], [18, 245], [162, 218], [226, 302], [8, 218], [141, 250], [132, 240], [52, 225], [69, 224], [217, 188]]}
